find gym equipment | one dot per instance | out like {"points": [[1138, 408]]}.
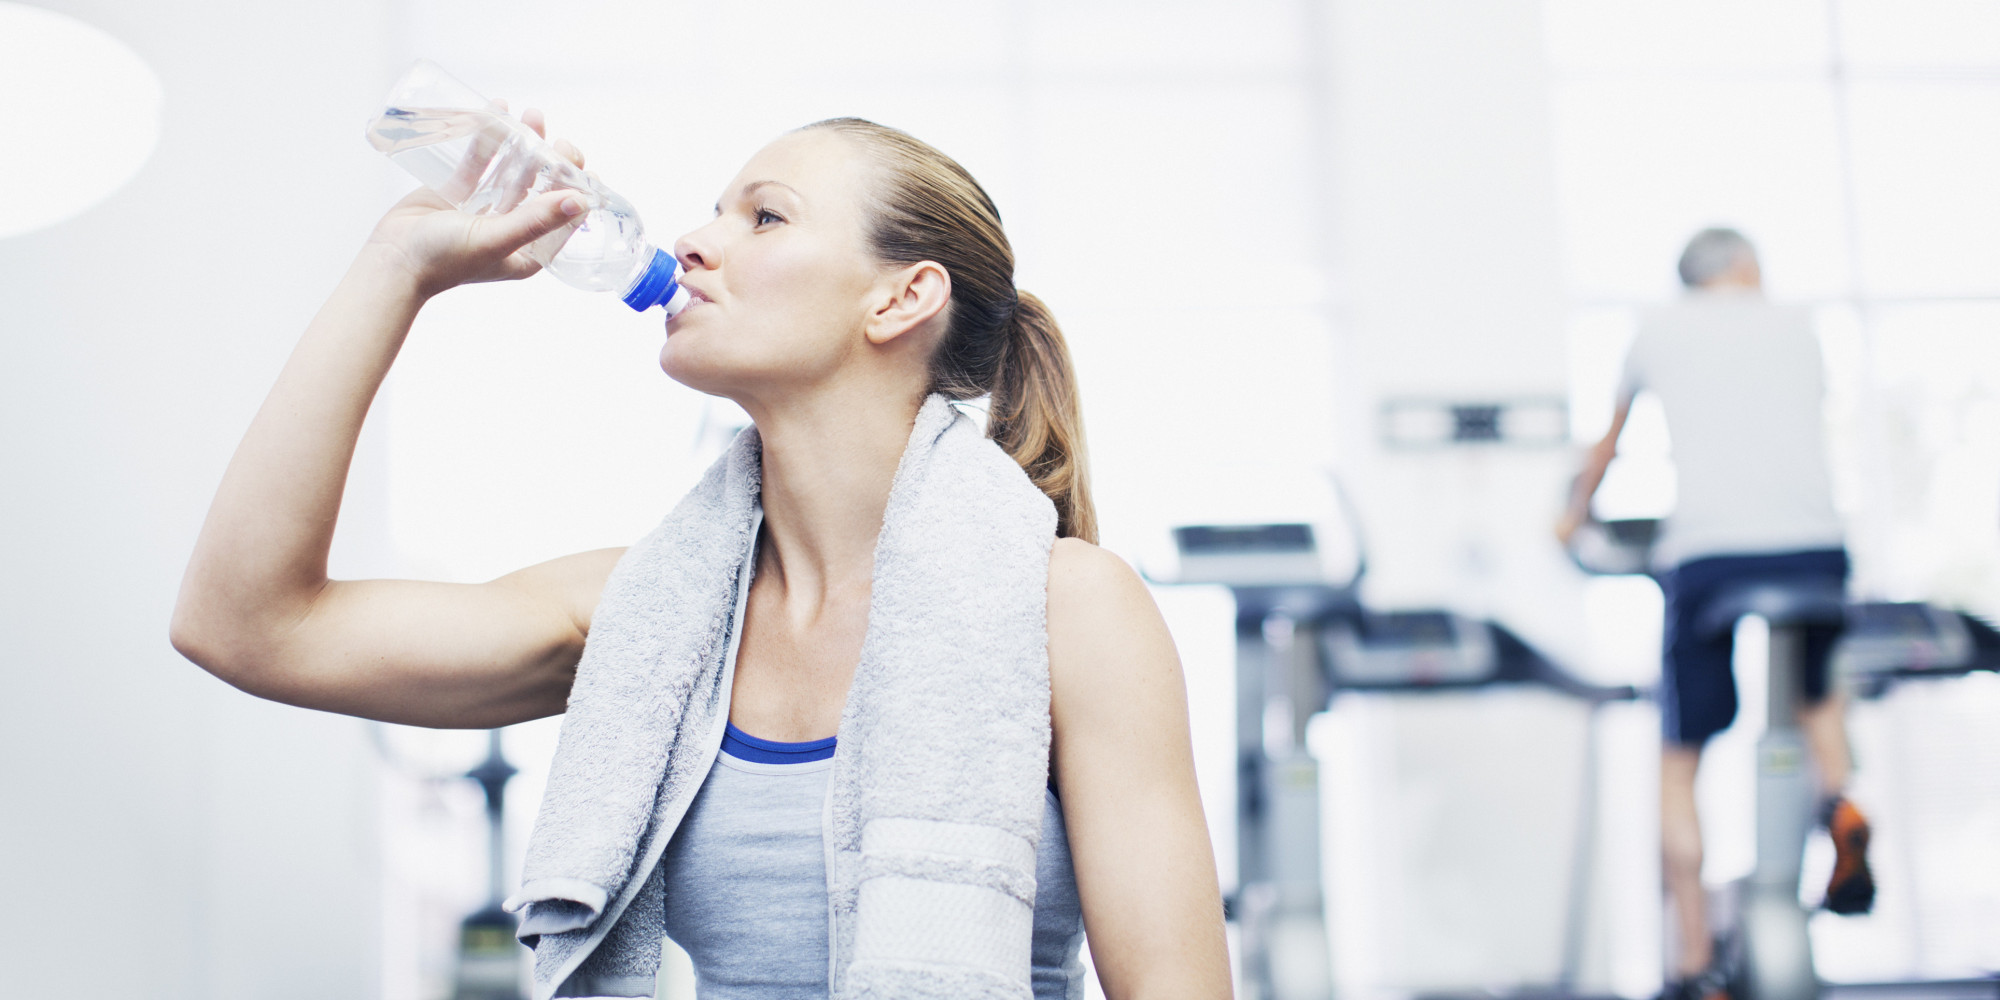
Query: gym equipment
{"points": [[1615, 548], [490, 962], [1424, 423], [1886, 646], [1889, 644], [1301, 641], [1273, 571], [489, 958], [1776, 948]]}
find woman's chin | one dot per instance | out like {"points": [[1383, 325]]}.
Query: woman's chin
{"points": [[678, 366], [736, 365], [684, 363]]}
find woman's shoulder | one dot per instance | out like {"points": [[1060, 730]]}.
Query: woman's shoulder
{"points": [[1112, 665], [1095, 597], [1081, 571]]}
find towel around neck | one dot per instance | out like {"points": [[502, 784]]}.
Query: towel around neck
{"points": [[935, 797]]}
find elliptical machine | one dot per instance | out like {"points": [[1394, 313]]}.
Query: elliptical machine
{"points": [[1773, 959]]}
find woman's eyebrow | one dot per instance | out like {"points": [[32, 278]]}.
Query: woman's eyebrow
{"points": [[751, 188]]}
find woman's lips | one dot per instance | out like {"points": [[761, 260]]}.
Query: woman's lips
{"points": [[695, 298]]}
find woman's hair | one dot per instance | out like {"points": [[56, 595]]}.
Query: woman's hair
{"points": [[998, 340]]}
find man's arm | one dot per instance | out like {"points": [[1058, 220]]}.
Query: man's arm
{"points": [[1587, 481]]}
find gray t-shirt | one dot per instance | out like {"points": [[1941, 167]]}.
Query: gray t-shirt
{"points": [[1743, 387]]}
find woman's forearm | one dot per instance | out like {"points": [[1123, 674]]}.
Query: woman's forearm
{"points": [[262, 553]]}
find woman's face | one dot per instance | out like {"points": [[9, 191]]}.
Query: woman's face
{"points": [[780, 278]]}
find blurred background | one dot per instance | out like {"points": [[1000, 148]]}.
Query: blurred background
{"points": [[1279, 234]]}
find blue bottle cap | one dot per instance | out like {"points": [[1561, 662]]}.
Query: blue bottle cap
{"points": [[657, 285]]}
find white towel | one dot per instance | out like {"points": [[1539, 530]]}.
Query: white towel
{"points": [[935, 799]]}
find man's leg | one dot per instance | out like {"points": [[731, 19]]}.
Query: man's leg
{"points": [[1823, 720], [1680, 848], [1825, 726], [1697, 700], [1822, 712]]}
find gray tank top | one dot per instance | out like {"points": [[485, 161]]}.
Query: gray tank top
{"points": [[746, 878]]}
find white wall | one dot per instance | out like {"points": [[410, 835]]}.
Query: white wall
{"points": [[1444, 223], [165, 836]]}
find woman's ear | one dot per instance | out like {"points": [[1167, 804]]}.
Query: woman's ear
{"points": [[906, 300]]}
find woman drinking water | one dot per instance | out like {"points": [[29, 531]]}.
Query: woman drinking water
{"points": [[869, 713]]}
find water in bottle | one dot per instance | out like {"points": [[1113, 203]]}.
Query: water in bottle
{"points": [[484, 161]]}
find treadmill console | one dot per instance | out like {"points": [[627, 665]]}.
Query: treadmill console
{"points": [[1248, 555], [1902, 639], [1409, 649]]}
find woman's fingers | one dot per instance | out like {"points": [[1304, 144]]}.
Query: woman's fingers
{"points": [[535, 119], [531, 221], [422, 198], [517, 266]]}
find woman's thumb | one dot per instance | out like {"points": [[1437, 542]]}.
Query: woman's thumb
{"points": [[533, 219]]}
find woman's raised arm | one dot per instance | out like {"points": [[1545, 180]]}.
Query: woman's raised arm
{"points": [[256, 608], [1124, 768]]}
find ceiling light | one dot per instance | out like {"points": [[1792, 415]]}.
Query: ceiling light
{"points": [[81, 117]]}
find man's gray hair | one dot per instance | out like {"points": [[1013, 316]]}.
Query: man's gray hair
{"points": [[1711, 252]]}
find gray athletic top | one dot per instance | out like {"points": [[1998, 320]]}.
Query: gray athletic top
{"points": [[746, 888], [746, 879]]}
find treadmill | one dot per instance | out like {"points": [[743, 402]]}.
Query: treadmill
{"points": [[1302, 641]]}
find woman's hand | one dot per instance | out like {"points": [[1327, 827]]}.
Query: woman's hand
{"points": [[439, 247]]}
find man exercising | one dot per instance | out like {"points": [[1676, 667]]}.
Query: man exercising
{"points": [[1741, 383]]}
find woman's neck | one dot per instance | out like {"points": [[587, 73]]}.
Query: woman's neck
{"points": [[829, 461]]}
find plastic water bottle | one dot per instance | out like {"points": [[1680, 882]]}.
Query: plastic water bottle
{"points": [[485, 161]]}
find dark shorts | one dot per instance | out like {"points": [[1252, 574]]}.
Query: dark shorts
{"points": [[1697, 687]]}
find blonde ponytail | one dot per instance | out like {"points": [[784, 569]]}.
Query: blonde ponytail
{"points": [[999, 341], [1037, 417]]}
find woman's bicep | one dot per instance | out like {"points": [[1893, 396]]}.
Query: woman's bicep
{"points": [[438, 654], [1125, 770]]}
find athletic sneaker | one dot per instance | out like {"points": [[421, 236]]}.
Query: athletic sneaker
{"points": [[1851, 890]]}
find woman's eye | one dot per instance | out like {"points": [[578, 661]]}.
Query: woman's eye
{"points": [[766, 216]]}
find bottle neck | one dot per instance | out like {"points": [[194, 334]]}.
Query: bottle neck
{"points": [[656, 285]]}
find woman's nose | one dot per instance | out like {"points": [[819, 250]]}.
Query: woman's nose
{"points": [[694, 252]]}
